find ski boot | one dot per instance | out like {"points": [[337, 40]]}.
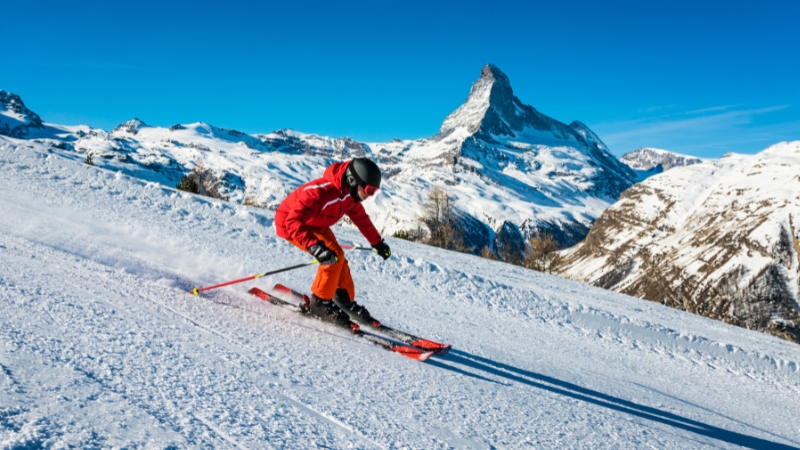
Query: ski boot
{"points": [[356, 312], [327, 311]]}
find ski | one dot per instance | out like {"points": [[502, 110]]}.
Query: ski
{"points": [[414, 353], [425, 344]]}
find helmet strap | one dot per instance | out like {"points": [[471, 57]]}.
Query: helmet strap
{"points": [[352, 185]]}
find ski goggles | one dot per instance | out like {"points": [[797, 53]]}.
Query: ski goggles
{"points": [[370, 190]]}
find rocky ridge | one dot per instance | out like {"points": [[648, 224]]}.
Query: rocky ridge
{"points": [[647, 162], [16, 120], [719, 238]]}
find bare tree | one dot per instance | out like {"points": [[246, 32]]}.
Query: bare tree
{"points": [[444, 225], [543, 255], [488, 253]]}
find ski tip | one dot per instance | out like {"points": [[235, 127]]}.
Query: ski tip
{"points": [[259, 293], [435, 347], [413, 353], [281, 288], [195, 292]]}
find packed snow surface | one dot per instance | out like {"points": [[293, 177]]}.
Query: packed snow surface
{"points": [[101, 346]]}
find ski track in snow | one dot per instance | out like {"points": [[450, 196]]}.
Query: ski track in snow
{"points": [[100, 346]]}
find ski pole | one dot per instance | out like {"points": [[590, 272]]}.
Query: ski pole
{"points": [[355, 247], [197, 291]]}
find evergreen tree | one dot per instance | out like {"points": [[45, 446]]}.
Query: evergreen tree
{"points": [[188, 184]]}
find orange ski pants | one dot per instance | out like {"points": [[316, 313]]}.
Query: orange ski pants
{"points": [[330, 277]]}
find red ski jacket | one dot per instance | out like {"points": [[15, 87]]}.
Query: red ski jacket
{"points": [[321, 203]]}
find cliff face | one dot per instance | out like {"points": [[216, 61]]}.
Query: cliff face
{"points": [[718, 239]]}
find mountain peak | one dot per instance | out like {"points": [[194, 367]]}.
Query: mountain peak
{"points": [[130, 127], [492, 113], [490, 93], [493, 120], [499, 80]]}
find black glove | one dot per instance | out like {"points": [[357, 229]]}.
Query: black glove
{"points": [[383, 249], [323, 254]]}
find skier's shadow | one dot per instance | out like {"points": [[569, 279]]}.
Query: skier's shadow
{"points": [[539, 381]]}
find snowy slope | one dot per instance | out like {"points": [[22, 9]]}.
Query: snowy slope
{"points": [[718, 238], [100, 346]]}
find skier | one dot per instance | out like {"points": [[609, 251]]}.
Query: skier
{"points": [[304, 219]]}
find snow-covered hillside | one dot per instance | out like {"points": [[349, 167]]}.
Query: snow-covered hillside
{"points": [[101, 346], [718, 238], [510, 170], [647, 162]]}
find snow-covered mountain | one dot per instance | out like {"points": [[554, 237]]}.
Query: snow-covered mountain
{"points": [[510, 170], [647, 162], [102, 347], [719, 238], [509, 166], [16, 120]]}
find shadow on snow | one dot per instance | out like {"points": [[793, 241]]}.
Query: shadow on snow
{"points": [[550, 384]]}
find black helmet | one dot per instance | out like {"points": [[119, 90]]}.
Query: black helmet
{"points": [[365, 173]]}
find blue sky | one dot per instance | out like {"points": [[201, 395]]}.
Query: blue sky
{"points": [[699, 77]]}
